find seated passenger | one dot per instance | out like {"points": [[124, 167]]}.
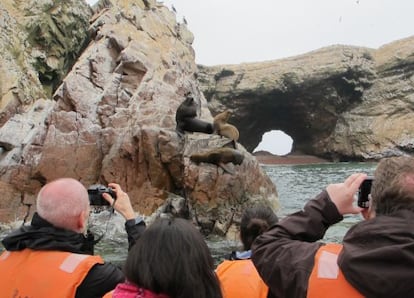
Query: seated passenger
{"points": [[53, 256], [238, 276], [170, 260], [376, 256]]}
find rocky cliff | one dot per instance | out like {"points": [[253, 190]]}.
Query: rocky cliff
{"points": [[92, 94], [341, 103]]}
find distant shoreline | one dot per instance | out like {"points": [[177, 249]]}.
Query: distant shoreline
{"points": [[270, 159]]}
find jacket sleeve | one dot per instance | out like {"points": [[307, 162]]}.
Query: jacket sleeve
{"points": [[134, 228], [284, 255]]}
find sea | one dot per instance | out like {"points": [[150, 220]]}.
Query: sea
{"points": [[295, 184]]}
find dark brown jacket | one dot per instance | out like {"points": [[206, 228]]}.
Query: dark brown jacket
{"points": [[377, 258]]}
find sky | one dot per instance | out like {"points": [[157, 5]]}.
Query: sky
{"points": [[238, 31]]}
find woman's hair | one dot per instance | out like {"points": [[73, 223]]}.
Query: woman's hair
{"points": [[254, 222], [393, 185], [172, 258]]}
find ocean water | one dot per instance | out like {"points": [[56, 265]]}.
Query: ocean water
{"points": [[296, 184]]}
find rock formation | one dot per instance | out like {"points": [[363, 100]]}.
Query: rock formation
{"points": [[39, 42], [104, 111], [341, 103]]}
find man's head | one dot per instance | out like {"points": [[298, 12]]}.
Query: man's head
{"points": [[393, 187], [65, 204]]}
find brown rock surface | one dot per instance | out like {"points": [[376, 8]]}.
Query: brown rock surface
{"points": [[112, 119], [40, 41]]}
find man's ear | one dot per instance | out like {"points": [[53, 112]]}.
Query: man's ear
{"points": [[369, 212], [82, 221]]}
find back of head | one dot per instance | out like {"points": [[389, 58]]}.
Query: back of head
{"points": [[61, 202], [393, 187], [254, 222], [171, 257]]}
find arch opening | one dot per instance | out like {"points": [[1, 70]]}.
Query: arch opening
{"points": [[275, 142]]}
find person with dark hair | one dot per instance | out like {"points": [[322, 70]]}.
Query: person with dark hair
{"points": [[170, 260], [376, 257], [53, 256], [238, 276]]}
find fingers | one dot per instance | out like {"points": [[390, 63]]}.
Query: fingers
{"points": [[343, 194], [122, 204], [116, 187], [355, 210], [108, 198], [355, 180], [118, 190]]}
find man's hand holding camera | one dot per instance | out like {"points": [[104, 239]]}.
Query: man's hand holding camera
{"points": [[121, 203], [343, 194]]}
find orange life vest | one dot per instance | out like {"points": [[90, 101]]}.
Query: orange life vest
{"points": [[109, 294], [326, 279], [38, 274], [240, 278]]}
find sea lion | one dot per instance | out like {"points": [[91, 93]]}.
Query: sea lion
{"points": [[222, 128], [186, 120], [219, 157]]}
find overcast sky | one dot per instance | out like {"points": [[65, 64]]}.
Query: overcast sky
{"points": [[237, 31]]}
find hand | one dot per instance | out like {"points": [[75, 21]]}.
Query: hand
{"points": [[122, 204], [343, 194]]}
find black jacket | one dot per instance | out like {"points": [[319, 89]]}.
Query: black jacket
{"points": [[41, 235]]}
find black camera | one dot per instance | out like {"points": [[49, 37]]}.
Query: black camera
{"points": [[364, 191], [95, 194]]}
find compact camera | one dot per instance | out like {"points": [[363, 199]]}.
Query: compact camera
{"points": [[364, 191], [95, 194]]}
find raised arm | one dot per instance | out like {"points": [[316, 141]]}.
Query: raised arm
{"points": [[284, 255]]}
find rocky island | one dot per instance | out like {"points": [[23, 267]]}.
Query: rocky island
{"points": [[92, 93]]}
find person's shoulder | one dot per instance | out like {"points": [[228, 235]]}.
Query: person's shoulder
{"points": [[100, 279], [230, 257]]}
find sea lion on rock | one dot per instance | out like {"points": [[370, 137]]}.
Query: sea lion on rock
{"points": [[219, 157], [222, 128], [186, 120]]}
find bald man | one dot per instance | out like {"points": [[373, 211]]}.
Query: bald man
{"points": [[53, 256]]}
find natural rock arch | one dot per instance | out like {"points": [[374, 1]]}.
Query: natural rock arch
{"points": [[340, 102], [274, 142]]}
